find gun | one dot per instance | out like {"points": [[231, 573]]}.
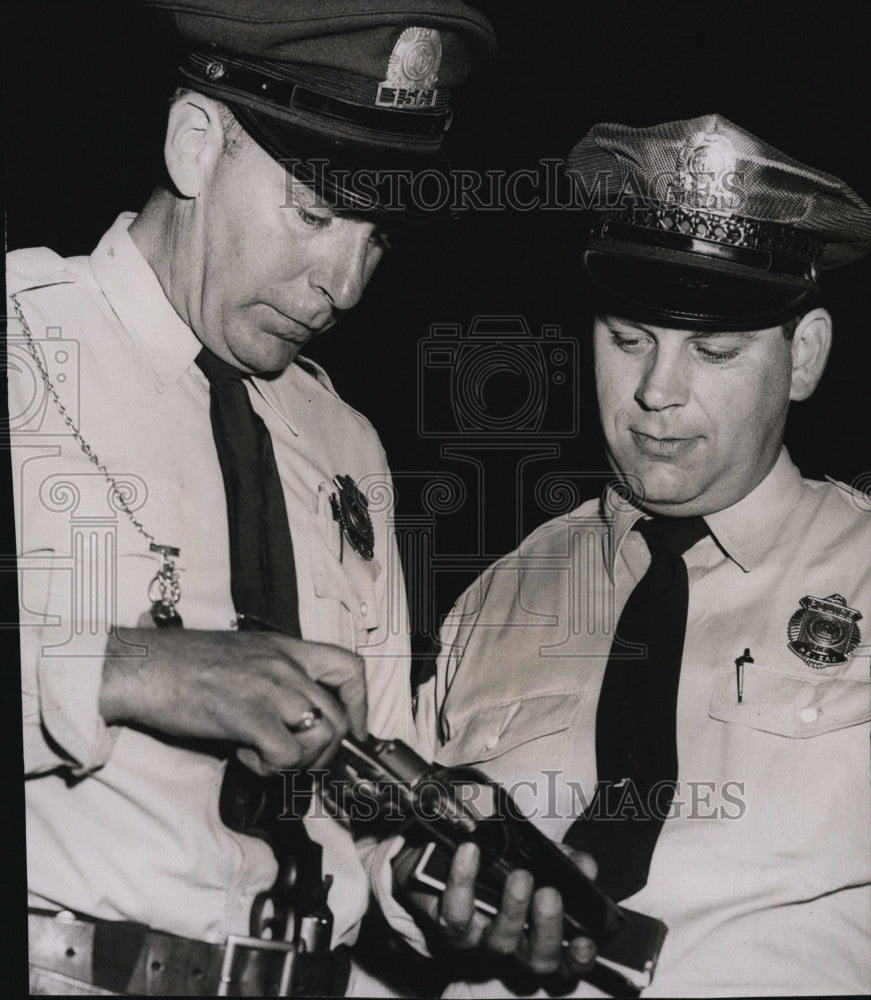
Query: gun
{"points": [[436, 800]]}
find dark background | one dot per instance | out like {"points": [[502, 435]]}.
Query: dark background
{"points": [[84, 102], [85, 87]]}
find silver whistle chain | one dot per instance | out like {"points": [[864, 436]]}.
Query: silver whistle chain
{"points": [[166, 583]]}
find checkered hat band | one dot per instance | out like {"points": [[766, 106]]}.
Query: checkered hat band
{"points": [[786, 244]]}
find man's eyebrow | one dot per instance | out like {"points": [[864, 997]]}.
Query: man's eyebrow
{"points": [[306, 197], [740, 334], [383, 227], [636, 326], [627, 325]]}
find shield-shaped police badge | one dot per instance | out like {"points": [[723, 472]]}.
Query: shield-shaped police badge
{"points": [[412, 71], [351, 510], [824, 631]]}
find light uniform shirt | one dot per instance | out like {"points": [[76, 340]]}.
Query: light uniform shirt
{"points": [[763, 874], [121, 824]]}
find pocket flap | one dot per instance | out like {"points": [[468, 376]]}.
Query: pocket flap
{"points": [[349, 579], [327, 572], [790, 706], [500, 728]]}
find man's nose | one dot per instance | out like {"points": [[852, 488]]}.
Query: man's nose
{"points": [[665, 380], [340, 271]]}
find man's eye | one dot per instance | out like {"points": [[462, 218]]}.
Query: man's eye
{"points": [[631, 345], [382, 240], [718, 356], [310, 219]]}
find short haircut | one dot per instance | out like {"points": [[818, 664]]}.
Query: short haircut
{"points": [[790, 326], [235, 136]]}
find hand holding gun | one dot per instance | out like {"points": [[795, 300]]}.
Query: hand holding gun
{"points": [[443, 806]]}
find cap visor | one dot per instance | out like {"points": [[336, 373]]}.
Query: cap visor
{"points": [[397, 186], [686, 290]]}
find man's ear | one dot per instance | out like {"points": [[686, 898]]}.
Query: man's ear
{"points": [[810, 351], [194, 140]]}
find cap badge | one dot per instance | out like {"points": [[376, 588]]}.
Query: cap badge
{"points": [[705, 175], [412, 70], [216, 70], [351, 510], [824, 631]]}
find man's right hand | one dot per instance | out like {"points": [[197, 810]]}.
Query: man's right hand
{"points": [[246, 688]]}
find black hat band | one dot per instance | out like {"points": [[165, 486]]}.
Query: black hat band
{"points": [[227, 77], [763, 246]]}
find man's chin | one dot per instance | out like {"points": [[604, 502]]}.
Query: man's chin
{"points": [[265, 355], [663, 488]]}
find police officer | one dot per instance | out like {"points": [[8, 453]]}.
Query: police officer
{"points": [[674, 677], [198, 558]]}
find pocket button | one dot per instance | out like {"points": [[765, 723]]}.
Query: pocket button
{"points": [[809, 715], [492, 743]]}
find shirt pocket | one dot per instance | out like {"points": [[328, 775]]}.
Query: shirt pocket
{"points": [[529, 746], [795, 751], [345, 585], [488, 733], [784, 704]]}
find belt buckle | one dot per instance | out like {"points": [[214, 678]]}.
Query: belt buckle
{"points": [[237, 941]]}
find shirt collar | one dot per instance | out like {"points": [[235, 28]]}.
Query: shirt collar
{"points": [[167, 343], [620, 515], [745, 531], [748, 529]]}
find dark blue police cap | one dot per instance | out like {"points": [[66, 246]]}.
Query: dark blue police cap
{"points": [[698, 223], [337, 87]]}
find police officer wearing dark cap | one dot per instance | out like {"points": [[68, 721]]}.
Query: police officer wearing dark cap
{"points": [[676, 673], [200, 566]]}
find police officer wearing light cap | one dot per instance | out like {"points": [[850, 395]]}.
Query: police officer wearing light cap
{"points": [[221, 481], [701, 675]]}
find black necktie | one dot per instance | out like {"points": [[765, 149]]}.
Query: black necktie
{"points": [[262, 572], [636, 746], [263, 585]]}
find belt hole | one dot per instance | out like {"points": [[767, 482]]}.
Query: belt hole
{"points": [[197, 972], [156, 966], [70, 953]]}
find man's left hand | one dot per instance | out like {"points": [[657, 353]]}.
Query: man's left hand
{"points": [[528, 927]]}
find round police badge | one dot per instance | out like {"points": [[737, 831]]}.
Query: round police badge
{"points": [[351, 510], [706, 171], [824, 631]]}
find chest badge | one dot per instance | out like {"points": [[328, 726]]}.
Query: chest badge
{"points": [[824, 631], [351, 510]]}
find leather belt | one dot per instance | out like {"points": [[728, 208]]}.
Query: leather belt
{"points": [[130, 958]]}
